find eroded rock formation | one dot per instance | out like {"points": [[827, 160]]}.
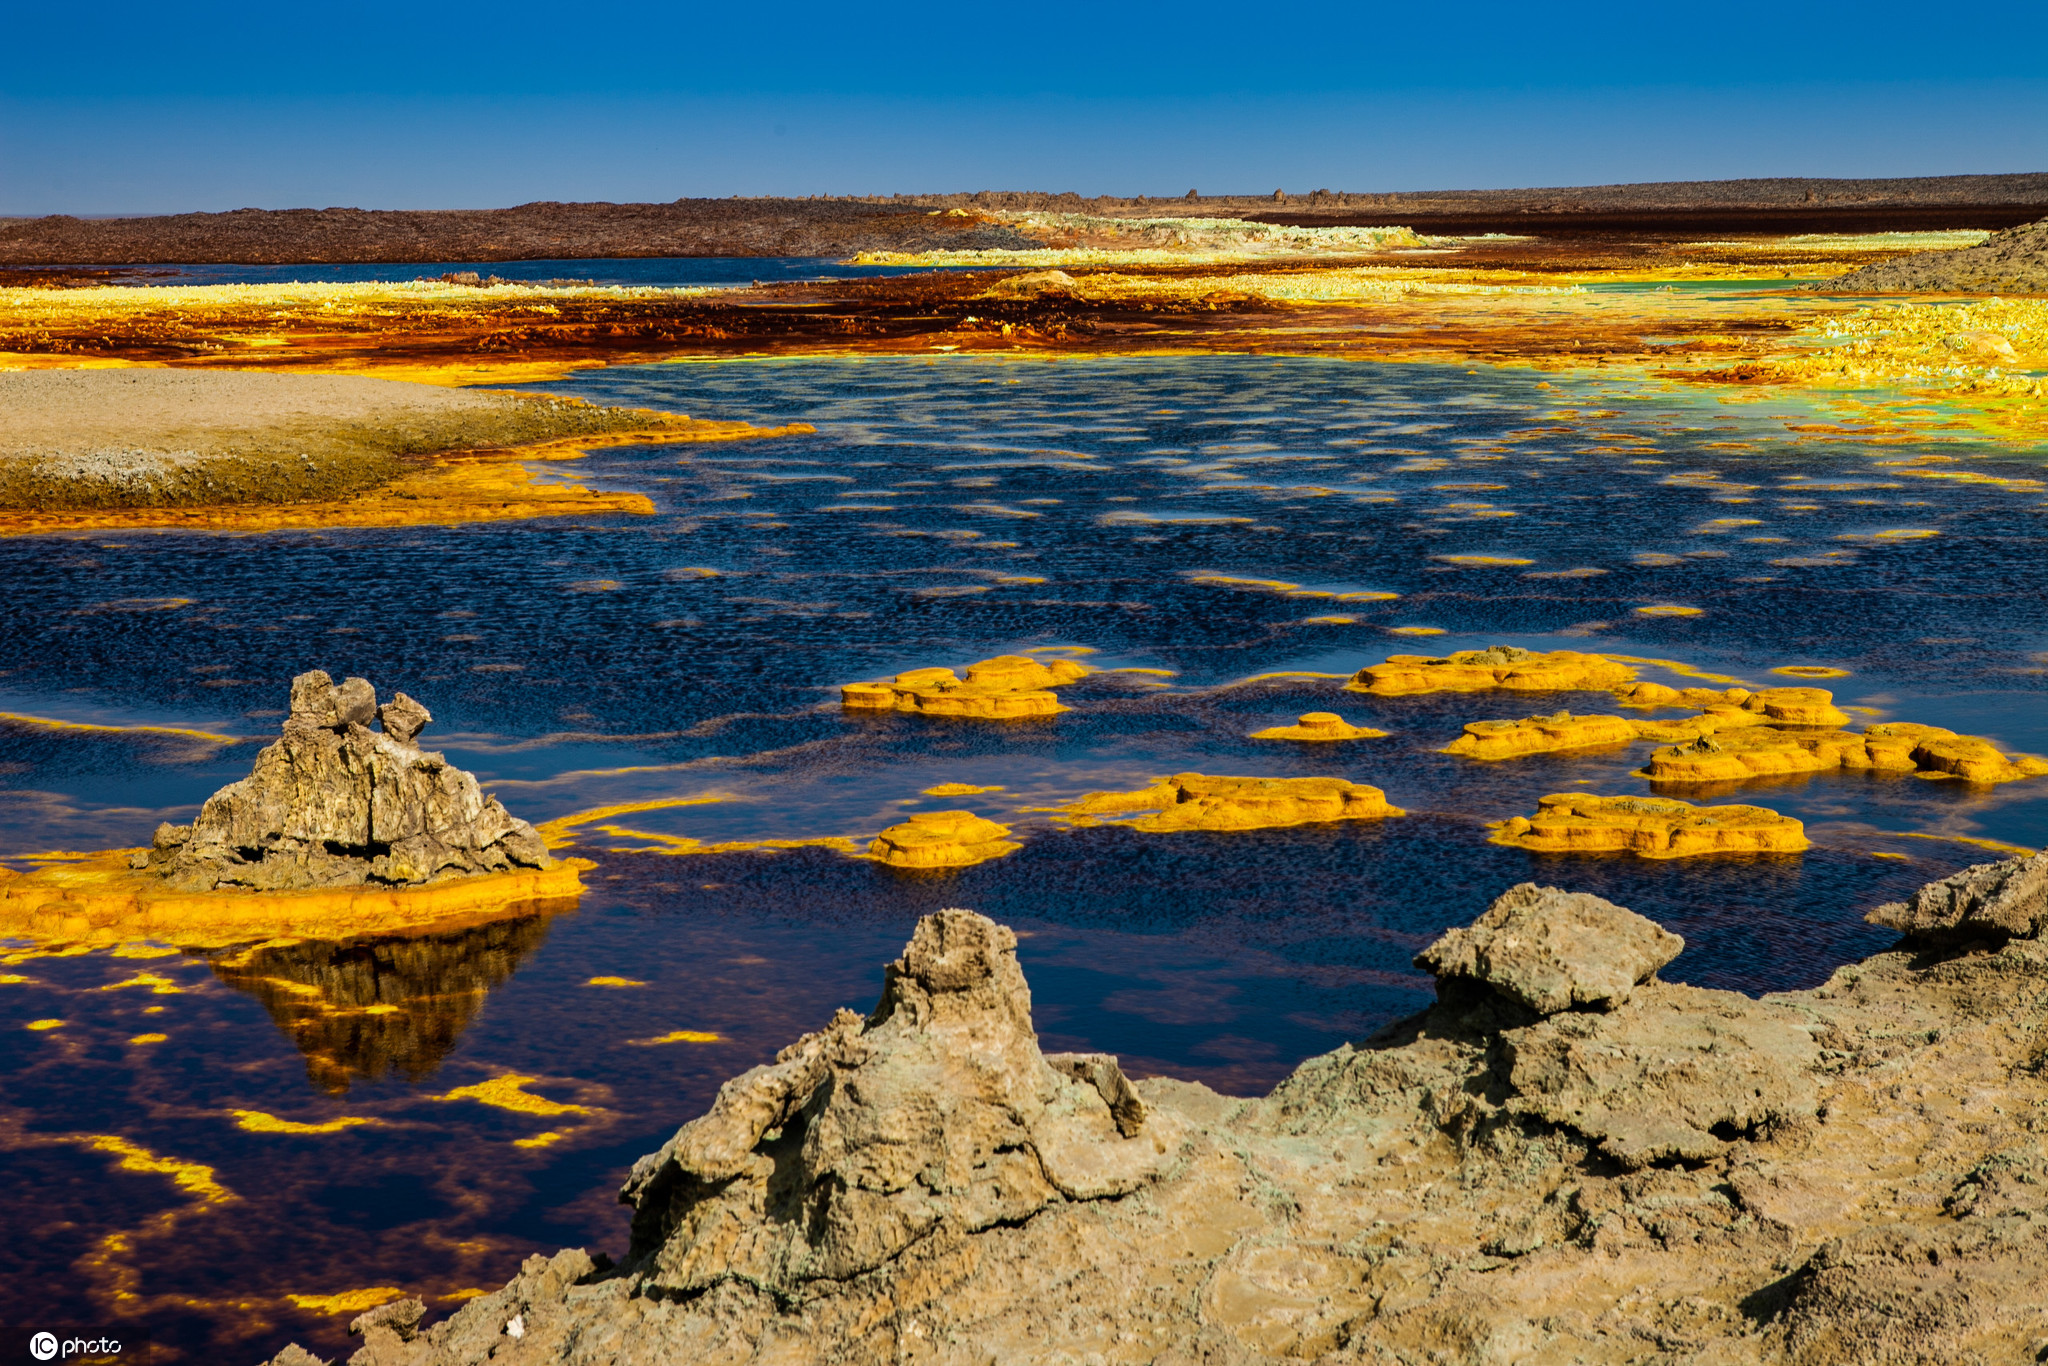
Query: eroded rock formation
{"points": [[332, 803], [1563, 1160], [1006, 688], [1649, 827]]}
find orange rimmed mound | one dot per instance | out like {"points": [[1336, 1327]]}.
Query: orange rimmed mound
{"points": [[1502, 666], [942, 839], [1649, 827], [1318, 725], [1540, 735], [97, 899], [1898, 747], [1196, 801], [1006, 688]]}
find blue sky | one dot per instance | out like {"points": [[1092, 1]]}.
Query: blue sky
{"points": [[152, 108]]}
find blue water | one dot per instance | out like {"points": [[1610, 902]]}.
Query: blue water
{"points": [[948, 509]]}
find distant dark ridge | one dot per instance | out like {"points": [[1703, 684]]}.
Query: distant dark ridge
{"points": [[839, 227]]}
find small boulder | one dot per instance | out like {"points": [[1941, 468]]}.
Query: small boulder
{"points": [[403, 718], [2006, 900], [1551, 950]]}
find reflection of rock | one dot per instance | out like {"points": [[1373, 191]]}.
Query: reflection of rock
{"points": [[1196, 801], [1898, 747], [1318, 725], [1989, 901], [942, 839], [360, 1009], [1552, 950], [334, 804], [1651, 827], [1854, 1174], [1006, 688], [935, 1115], [1540, 735], [1503, 666]]}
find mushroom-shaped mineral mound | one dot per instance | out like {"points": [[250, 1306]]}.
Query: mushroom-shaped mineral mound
{"points": [[1318, 725], [1650, 827], [1503, 666], [933, 1118], [942, 839], [1006, 688], [1197, 801], [1540, 735], [332, 803]]}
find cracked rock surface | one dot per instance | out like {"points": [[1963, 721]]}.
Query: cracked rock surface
{"points": [[1852, 1174], [333, 803]]}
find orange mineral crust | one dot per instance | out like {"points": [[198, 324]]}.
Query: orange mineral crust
{"points": [[98, 900], [1318, 725], [1006, 688], [1897, 747], [942, 839], [1196, 801], [1503, 666], [1649, 827], [1540, 735]]}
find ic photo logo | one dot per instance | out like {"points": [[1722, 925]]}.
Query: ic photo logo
{"points": [[86, 1346]]}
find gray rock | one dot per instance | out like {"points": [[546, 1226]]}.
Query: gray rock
{"points": [[1552, 950], [403, 718], [2006, 900], [936, 1113], [1654, 1080], [401, 1317], [335, 804]]}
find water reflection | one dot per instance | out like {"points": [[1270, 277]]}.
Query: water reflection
{"points": [[363, 1009]]}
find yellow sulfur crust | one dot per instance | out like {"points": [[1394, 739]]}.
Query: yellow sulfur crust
{"points": [[1196, 801], [942, 839], [98, 900], [1649, 827], [1482, 670], [1006, 688], [1318, 725]]}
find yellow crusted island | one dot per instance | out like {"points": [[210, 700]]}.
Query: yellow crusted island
{"points": [[1006, 688], [1649, 827], [942, 839], [1319, 725], [1197, 801], [1503, 666]]}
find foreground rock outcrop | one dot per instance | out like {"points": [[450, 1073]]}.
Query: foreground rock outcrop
{"points": [[1564, 1160], [333, 803]]}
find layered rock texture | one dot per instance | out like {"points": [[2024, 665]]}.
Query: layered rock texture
{"points": [[2011, 262], [1503, 666], [1198, 801], [1541, 735], [942, 839], [1649, 827], [1565, 1160], [333, 803], [1319, 726], [1006, 688]]}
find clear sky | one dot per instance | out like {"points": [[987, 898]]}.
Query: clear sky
{"points": [[130, 107]]}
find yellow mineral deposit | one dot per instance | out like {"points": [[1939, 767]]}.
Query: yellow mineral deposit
{"points": [[1196, 801], [1649, 827], [1006, 688], [676, 1036], [1810, 671], [507, 1092], [1502, 666], [1540, 735], [1896, 747], [942, 839], [1318, 725], [96, 900], [957, 790], [348, 1301], [257, 1122]]}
